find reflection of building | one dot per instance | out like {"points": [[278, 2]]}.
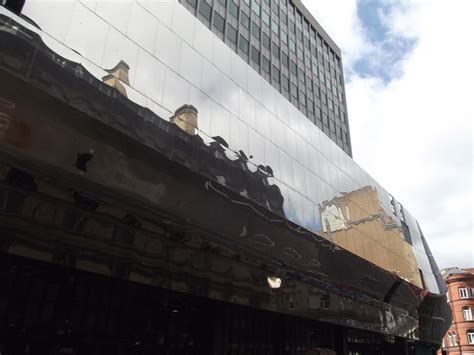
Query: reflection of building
{"points": [[459, 339], [357, 222], [134, 224]]}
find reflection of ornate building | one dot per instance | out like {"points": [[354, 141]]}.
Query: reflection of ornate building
{"points": [[357, 222], [132, 224]]}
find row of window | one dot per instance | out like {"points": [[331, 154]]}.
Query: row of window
{"points": [[465, 292], [453, 338], [279, 43]]}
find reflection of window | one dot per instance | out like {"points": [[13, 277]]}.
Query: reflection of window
{"points": [[467, 313], [472, 292], [470, 336], [463, 292]]}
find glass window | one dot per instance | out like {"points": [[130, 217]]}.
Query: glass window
{"points": [[193, 3], [255, 30], [256, 8], [255, 55], [292, 46], [265, 18], [233, 9], [275, 27], [244, 44], [294, 90], [275, 73], [275, 50], [219, 22], [470, 336], [244, 20], [284, 37], [467, 313], [463, 292], [265, 40], [293, 67], [291, 26], [284, 59], [232, 34], [265, 64], [301, 76], [205, 10], [275, 6], [284, 82], [300, 53]]}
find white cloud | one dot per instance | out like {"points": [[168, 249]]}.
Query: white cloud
{"points": [[414, 134]]}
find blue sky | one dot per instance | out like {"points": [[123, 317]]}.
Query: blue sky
{"points": [[393, 48], [409, 96]]}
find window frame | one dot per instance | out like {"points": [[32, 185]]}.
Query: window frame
{"points": [[467, 313], [470, 336], [463, 294]]}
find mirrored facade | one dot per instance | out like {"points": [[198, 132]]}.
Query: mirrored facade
{"points": [[154, 72], [174, 59]]}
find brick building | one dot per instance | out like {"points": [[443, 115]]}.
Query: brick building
{"points": [[460, 337]]}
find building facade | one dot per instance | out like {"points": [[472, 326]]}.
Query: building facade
{"points": [[161, 193], [283, 42], [460, 337]]}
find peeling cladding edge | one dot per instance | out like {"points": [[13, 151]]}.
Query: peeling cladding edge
{"points": [[299, 5]]}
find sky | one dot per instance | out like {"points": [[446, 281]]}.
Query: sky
{"points": [[409, 72]]}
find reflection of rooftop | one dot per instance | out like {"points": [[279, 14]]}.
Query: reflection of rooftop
{"points": [[145, 159]]}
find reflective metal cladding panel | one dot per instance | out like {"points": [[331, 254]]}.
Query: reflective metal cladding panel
{"points": [[161, 57]]}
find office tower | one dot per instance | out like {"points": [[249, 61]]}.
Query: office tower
{"points": [[158, 194], [283, 42]]}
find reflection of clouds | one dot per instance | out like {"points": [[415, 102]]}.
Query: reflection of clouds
{"points": [[176, 91], [150, 77], [203, 104], [230, 95], [87, 34], [212, 81], [258, 118], [220, 121], [42, 14], [142, 27]]}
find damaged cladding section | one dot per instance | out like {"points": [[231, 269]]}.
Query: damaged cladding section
{"points": [[160, 193]]}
